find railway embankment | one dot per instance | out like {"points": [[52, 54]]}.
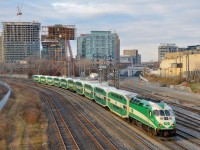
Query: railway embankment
{"points": [[22, 121], [174, 83]]}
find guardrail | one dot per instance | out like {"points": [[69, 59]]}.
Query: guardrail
{"points": [[143, 79], [4, 100]]}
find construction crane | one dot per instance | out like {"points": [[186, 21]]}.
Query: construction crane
{"points": [[19, 8]]}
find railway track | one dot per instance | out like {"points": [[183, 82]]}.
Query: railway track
{"points": [[135, 140], [101, 141], [194, 142], [184, 136], [173, 145], [183, 119], [98, 139], [66, 139], [132, 138], [164, 97]]}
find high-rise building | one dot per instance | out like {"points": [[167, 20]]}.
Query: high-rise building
{"points": [[1, 51], [135, 57], [132, 52], [166, 48], [99, 44], [20, 40]]}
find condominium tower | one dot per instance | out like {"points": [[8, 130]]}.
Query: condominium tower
{"points": [[99, 45], [134, 56], [1, 52], [166, 48], [20, 40]]}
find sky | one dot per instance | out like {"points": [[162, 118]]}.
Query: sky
{"points": [[140, 24]]}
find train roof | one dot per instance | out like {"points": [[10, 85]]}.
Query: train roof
{"points": [[147, 98], [68, 79], [43, 76], [37, 75], [62, 78], [82, 81], [93, 84], [155, 104], [105, 87], [123, 92], [75, 80]]}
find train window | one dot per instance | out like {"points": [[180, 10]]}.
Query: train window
{"points": [[140, 104], [156, 113], [162, 113], [167, 113]]}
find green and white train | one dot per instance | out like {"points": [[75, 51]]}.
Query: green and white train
{"points": [[154, 116]]}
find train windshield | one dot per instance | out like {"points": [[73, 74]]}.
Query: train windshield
{"points": [[162, 113], [156, 113], [167, 113]]}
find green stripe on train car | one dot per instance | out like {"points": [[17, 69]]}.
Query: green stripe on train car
{"points": [[63, 83], [56, 81], [43, 80], [88, 91], [71, 85], [49, 80], [118, 104], [100, 96], [36, 79], [79, 87], [141, 113]]}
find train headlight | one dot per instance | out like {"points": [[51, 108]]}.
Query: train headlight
{"points": [[173, 125], [161, 118], [160, 125]]}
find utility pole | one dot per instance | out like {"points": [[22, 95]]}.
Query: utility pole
{"points": [[11, 69], [180, 63], [116, 73], [84, 67], [68, 67], [65, 68], [188, 67]]}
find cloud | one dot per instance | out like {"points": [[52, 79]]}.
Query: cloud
{"points": [[141, 24]]}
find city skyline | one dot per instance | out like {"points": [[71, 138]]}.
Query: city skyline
{"points": [[142, 24]]}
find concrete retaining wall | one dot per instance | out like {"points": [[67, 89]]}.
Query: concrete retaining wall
{"points": [[4, 100]]}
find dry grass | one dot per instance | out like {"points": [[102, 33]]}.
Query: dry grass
{"points": [[23, 123], [195, 87], [167, 81]]}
